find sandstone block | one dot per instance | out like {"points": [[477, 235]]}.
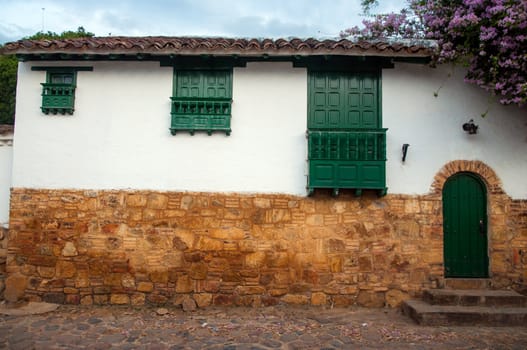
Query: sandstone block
{"points": [[232, 233], [395, 297], [277, 292], [100, 299], [65, 269], [156, 299], [110, 228], [157, 201], [203, 299], [186, 202], [128, 281], [184, 285], [160, 276], [70, 290], [342, 300], [42, 260], [223, 300], [370, 299], [249, 290], [198, 271], [277, 259], [189, 304], [315, 220], [335, 264], [137, 299], [145, 287], [269, 301], [87, 300], [209, 244], [72, 299], [69, 250], [54, 298], [255, 260], [82, 280], [15, 286], [119, 299], [295, 299], [136, 200], [46, 272], [318, 298], [262, 202], [411, 206], [365, 264], [296, 288], [248, 246], [113, 279]]}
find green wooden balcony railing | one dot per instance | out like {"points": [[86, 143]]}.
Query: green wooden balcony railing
{"points": [[200, 114], [58, 98], [347, 159], [363, 144]]}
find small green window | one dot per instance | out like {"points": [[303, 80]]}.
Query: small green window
{"points": [[58, 92], [201, 101]]}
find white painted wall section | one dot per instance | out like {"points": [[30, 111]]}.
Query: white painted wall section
{"points": [[119, 134], [6, 161], [433, 128]]}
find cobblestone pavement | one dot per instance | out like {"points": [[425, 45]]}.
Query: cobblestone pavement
{"points": [[75, 327]]}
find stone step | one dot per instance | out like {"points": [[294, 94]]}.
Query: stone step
{"points": [[474, 297], [446, 315], [467, 283]]}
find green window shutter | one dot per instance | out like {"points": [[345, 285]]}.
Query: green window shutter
{"points": [[343, 101], [346, 141], [58, 92], [202, 101]]}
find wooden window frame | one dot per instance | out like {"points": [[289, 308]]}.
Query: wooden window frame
{"points": [[197, 109]]}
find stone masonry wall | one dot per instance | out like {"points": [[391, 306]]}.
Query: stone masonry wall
{"points": [[168, 248]]}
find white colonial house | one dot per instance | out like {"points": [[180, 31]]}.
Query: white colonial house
{"points": [[256, 171]]}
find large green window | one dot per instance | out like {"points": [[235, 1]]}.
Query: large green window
{"points": [[201, 101], [346, 141], [58, 92]]}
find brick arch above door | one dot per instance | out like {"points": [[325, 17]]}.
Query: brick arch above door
{"points": [[487, 175]]}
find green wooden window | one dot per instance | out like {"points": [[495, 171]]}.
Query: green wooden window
{"points": [[201, 101], [346, 141], [58, 92]]}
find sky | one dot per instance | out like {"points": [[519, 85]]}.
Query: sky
{"points": [[226, 18]]}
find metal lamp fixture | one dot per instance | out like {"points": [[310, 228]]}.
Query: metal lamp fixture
{"points": [[470, 127], [405, 150]]}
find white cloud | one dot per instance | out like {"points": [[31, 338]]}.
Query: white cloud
{"points": [[240, 18]]}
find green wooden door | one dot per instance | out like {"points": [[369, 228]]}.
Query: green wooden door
{"points": [[465, 227]]}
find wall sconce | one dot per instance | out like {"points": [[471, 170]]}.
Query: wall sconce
{"points": [[470, 127], [405, 150]]}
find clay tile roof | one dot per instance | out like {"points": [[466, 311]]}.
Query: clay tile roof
{"points": [[220, 46]]}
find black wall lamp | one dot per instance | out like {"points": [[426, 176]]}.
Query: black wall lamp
{"points": [[470, 127], [405, 150]]}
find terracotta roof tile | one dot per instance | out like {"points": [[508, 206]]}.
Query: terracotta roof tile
{"points": [[220, 46]]}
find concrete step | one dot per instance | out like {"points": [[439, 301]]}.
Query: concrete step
{"points": [[474, 297], [467, 283], [447, 315]]}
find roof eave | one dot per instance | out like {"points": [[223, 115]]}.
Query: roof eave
{"points": [[418, 53]]}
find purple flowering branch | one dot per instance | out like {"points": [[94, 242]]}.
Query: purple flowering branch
{"points": [[488, 36]]}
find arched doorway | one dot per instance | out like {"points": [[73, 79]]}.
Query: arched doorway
{"points": [[465, 226]]}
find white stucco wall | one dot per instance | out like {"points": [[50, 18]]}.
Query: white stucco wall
{"points": [[118, 136], [433, 128], [6, 159]]}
